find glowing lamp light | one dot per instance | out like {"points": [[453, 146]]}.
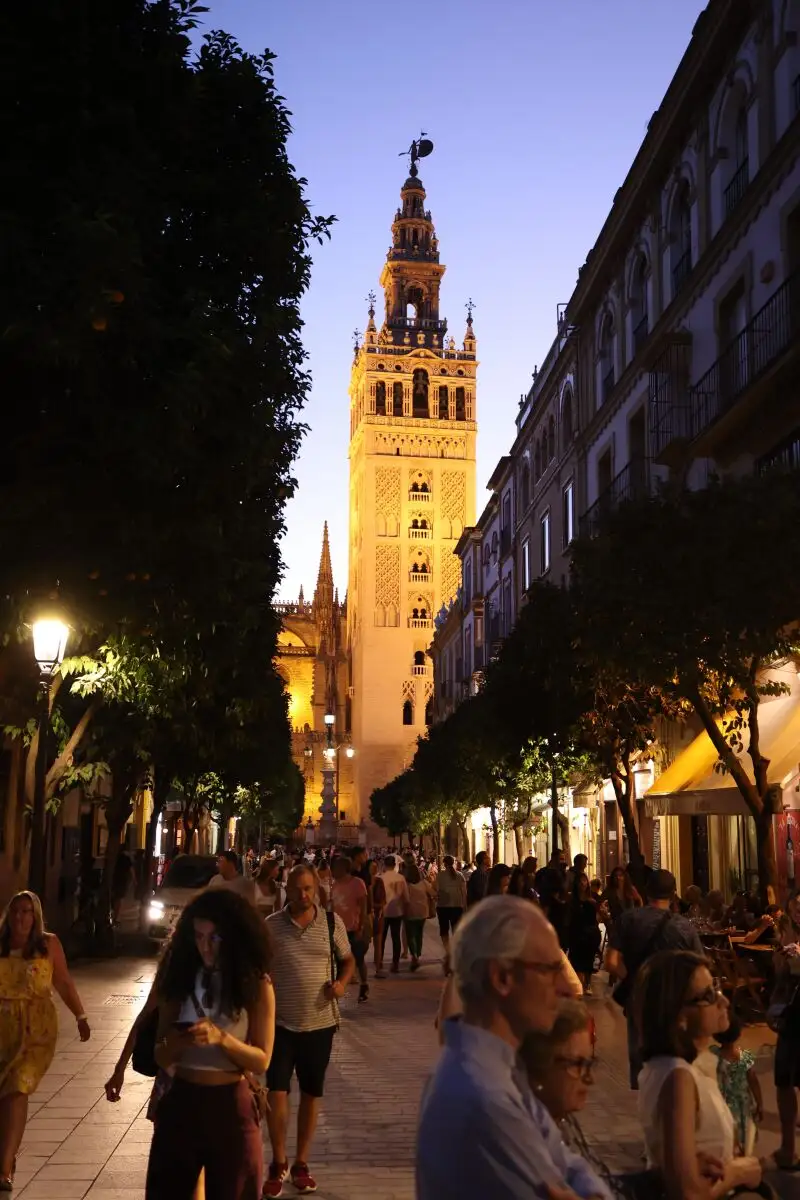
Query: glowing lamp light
{"points": [[350, 752], [49, 644], [330, 719]]}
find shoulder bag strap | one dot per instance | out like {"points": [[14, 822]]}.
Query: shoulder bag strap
{"points": [[334, 967], [649, 945]]}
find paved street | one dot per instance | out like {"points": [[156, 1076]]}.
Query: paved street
{"points": [[79, 1145]]}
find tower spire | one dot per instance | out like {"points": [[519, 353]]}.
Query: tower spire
{"points": [[323, 593]]}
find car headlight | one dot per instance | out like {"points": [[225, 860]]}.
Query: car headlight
{"points": [[156, 910]]}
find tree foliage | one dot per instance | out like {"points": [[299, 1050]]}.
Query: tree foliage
{"points": [[156, 245]]}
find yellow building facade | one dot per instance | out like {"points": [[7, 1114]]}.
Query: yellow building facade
{"points": [[413, 428]]}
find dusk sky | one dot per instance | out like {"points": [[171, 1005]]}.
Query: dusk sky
{"points": [[536, 109]]}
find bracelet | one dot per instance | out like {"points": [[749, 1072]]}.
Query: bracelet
{"points": [[82, 1017]]}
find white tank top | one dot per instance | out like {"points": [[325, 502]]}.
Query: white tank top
{"points": [[211, 1058], [714, 1128]]}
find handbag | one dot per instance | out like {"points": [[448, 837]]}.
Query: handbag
{"points": [[258, 1093], [144, 1048], [623, 991]]}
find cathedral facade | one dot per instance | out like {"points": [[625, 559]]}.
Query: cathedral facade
{"points": [[412, 492]]}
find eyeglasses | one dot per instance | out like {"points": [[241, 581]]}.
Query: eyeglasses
{"points": [[712, 995], [578, 1068], [540, 968]]}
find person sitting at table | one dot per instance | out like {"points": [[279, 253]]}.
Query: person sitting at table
{"points": [[715, 908], [739, 915], [764, 931], [693, 904]]}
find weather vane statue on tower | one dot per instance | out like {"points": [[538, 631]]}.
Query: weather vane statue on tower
{"points": [[418, 149]]}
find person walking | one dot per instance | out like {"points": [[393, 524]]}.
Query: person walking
{"points": [[636, 936], [349, 900], [420, 901], [479, 879], [583, 931], [482, 1131], [451, 901], [269, 893], [396, 906], [312, 966], [216, 1025], [32, 962], [228, 876]]}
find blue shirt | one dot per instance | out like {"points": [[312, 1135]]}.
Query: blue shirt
{"points": [[482, 1132]]}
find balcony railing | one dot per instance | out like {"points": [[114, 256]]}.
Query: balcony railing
{"points": [[783, 457], [420, 623], [420, 670], [419, 497], [424, 535], [632, 483], [668, 397], [737, 187], [607, 385], [761, 343], [419, 323], [419, 577], [640, 332], [680, 271]]}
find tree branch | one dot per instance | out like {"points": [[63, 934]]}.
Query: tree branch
{"points": [[64, 760], [733, 765]]}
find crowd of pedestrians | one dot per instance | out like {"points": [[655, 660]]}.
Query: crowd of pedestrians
{"points": [[246, 999]]}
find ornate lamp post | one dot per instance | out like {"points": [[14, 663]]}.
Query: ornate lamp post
{"points": [[329, 822], [49, 644]]}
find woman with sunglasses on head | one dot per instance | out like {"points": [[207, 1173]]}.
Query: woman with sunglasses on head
{"points": [[687, 1124], [216, 1028]]}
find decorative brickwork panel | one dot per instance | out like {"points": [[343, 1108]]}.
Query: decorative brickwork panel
{"points": [[451, 576], [428, 689], [387, 576], [387, 492], [454, 495], [410, 690]]}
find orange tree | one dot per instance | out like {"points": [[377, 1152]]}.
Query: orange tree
{"points": [[689, 600]]}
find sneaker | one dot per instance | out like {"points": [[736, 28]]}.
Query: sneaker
{"points": [[302, 1178], [363, 993], [275, 1177]]}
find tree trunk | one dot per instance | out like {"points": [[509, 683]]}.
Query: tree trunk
{"points": [[623, 790], [767, 863], [117, 811], [563, 836], [461, 822], [519, 841], [495, 832]]}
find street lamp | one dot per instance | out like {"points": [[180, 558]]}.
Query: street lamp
{"points": [[49, 644]]}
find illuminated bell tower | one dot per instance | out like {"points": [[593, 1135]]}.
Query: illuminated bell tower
{"points": [[412, 492]]}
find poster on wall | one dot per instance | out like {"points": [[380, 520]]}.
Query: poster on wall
{"points": [[787, 848], [657, 844]]}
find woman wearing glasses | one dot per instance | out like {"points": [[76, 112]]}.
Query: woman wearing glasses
{"points": [[560, 1065], [688, 1127], [215, 1030]]}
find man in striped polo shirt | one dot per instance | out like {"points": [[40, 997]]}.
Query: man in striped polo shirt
{"points": [[311, 966]]}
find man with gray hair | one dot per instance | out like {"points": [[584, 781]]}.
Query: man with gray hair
{"points": [[482, 1132]]}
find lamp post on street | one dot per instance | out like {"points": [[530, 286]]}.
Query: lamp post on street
{"points": [[49, 644], [331, 775]]}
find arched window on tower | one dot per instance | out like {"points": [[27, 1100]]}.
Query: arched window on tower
{"points": [[444, 404], [397, 398], [408, 712], [420, 393], [380, 398], [419, 658], [461, 404]]}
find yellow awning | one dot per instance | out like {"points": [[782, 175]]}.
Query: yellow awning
{"points": [[691, 785]]}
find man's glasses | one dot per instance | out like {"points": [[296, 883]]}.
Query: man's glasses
{"points": [[578, 1068], [540, 968]]}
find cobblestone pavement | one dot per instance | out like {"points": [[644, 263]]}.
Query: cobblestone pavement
{"points": [[79, 1145]]}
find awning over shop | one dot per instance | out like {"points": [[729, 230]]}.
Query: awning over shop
{"points": [[691, 785]]}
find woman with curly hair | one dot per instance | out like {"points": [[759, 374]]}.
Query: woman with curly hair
{"points": [[32, 962], [216, 1027]]}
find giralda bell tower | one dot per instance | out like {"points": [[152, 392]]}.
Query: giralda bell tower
{"points": [[412, 492]]}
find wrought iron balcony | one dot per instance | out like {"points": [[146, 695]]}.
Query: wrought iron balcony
{"points": [[783, 457], [632, 483], [668, 398], [772, 331], [681, 270], [640, 332], [737, 187]]}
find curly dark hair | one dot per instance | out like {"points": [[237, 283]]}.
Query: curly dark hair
{"points": [[660, 992], [244, 951]]}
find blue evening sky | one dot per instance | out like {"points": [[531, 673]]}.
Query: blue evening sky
{"points": [[536, 109]]}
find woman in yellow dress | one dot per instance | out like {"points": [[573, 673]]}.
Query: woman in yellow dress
{"points": [[32, 962]]}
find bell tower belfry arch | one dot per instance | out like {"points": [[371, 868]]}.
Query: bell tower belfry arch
{"points": [[413, 429]]}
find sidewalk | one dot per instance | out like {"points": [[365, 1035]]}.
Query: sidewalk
{"points": [[79, 1145]]}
